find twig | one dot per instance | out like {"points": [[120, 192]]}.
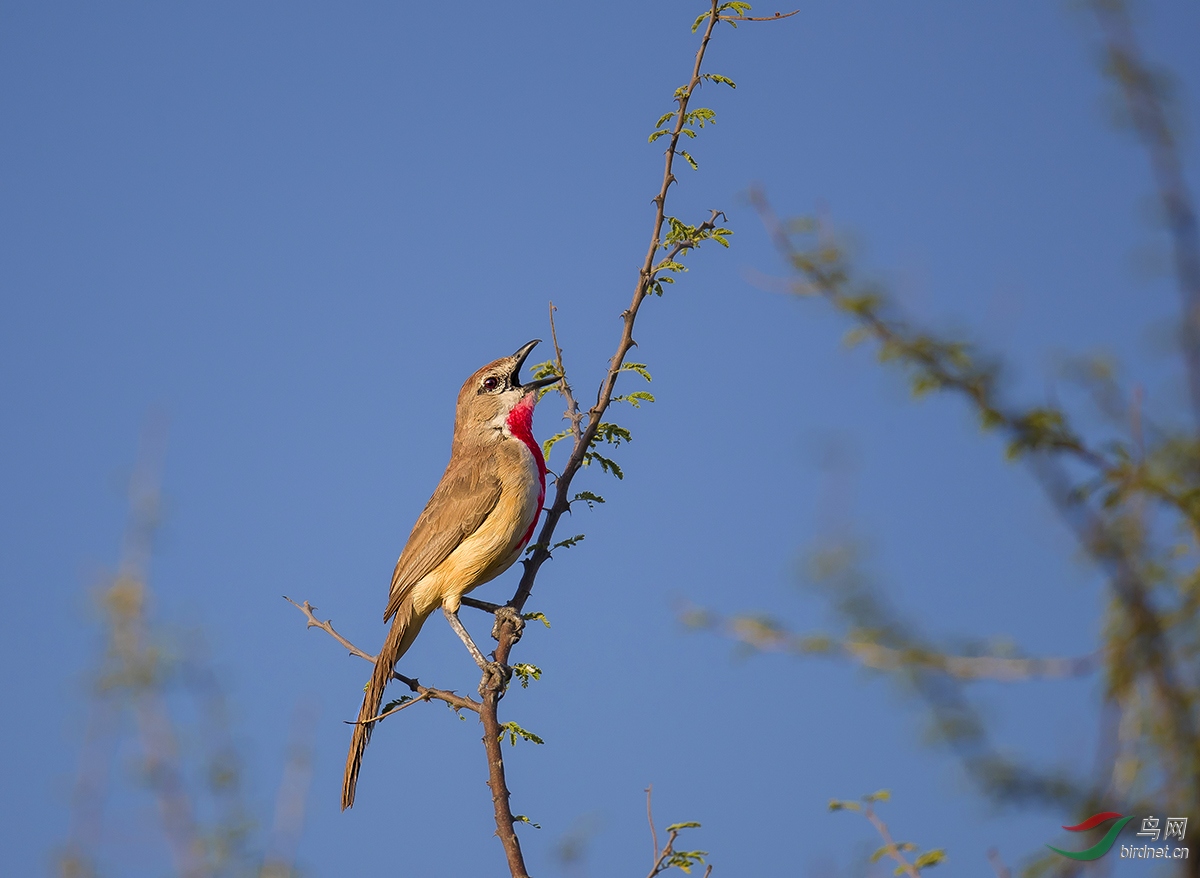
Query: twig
{"points": [[486, 606], [573, 414], [387, 713], [650, 819], [892, 850], [776, 17], [426, 693]]}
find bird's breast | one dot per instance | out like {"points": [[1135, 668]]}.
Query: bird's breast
{"points": [[497, 544]]}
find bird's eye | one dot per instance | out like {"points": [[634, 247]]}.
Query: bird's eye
{"points": [[491, 383]]}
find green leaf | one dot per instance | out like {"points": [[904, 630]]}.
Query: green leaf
{"points": [[661, 132], [545, 369], [720, 236], [609, 466], [589, 498], [569, 542], [837, 805], [540, 617], [700, 117], [716, 77], [640, 368], [521, 818], [514, 731], [930, 858], [636, 398], [550, 443], [685, 860], [878, 796], [613, 434], [527, 672], [697, 22], [393, 704], [691, 161], [675, 827], [664, 117]]}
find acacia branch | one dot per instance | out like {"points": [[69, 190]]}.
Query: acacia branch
{"points": [[584, 429], [507, 629]]}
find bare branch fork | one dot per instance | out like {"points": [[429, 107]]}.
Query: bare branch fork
{"points": [[458, 702], [584, 429]]}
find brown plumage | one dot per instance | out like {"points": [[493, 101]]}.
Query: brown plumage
{"points": [[473, 528]]}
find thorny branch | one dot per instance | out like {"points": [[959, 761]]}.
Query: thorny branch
{"points": [[584, 429], [506, 630], [572, 414]]}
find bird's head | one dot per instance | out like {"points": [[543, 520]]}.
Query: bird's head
{"points": [[494, 395]]}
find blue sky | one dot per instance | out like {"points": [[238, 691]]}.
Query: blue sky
{"points": [[296, 229]]}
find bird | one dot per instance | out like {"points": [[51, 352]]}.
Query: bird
{"points": [[474, 527]]}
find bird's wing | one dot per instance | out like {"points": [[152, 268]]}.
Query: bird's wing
{"points": [[461, 502]]}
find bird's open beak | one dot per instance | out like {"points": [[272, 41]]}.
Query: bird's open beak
{"points": [[520, 356]]}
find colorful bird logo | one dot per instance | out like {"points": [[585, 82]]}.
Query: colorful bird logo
{"points": [[1101, 847]]}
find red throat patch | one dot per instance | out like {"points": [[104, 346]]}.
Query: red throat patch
{"points": [[520, 424]]}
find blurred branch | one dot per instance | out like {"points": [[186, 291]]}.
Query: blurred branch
{"points": [[291, 798], [1001, 870], [1144, 92], [890, 848], [764, 634]]}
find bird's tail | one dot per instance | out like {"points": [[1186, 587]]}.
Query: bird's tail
{"points": [[406, 625]]}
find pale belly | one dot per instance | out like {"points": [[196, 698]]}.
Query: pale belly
{"points": [[495, 546]]}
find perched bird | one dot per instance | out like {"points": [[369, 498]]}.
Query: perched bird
{"points": [[480, 517]]}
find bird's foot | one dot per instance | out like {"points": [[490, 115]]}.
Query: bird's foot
{"points": [[495, 679], [510, 617]]}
